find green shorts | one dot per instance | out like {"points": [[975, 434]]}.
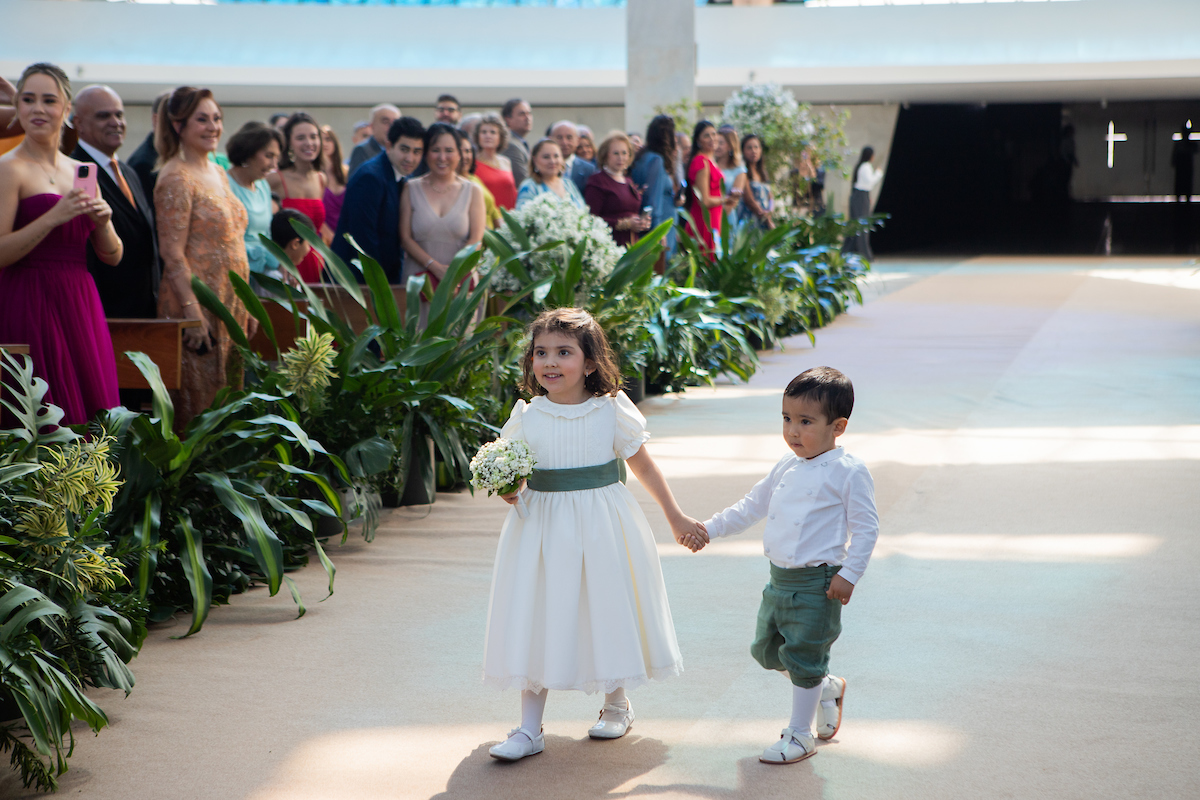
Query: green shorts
{"points": [[797, 624]]}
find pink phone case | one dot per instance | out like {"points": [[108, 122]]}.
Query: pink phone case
{"points": [[85, 178]]}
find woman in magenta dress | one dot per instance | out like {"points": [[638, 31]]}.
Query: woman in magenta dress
{"points": [[704, 187], [48, 299]]}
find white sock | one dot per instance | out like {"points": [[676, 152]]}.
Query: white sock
{"points": [[533, 706], [804, 708], [616, 698]]}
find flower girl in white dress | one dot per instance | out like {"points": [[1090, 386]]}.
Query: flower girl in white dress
{"points": [[578, 599]]}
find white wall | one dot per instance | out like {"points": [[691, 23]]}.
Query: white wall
{"points": [[260, 54]]}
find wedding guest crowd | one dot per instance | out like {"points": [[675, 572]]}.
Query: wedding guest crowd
{"points": [[410, 197]]}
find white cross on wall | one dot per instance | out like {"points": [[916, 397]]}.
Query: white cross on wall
{"points": [[1112, 138]]}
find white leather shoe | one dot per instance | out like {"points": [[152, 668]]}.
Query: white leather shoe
{"points": [[520, 743], [792, 746], [614, 722], [829, 712]]}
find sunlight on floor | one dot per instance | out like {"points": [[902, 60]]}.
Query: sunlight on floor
{"points": [[1180, 278], [1074, 547], [369, 763], [755, 454]]}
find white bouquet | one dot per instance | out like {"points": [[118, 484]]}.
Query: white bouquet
{"points": [[500, 466], [548, 219]]}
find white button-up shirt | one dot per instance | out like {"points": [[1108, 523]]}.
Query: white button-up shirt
{"points": [[819, 510]]}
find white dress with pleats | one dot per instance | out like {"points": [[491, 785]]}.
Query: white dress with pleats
{"points": [[578, 599]]}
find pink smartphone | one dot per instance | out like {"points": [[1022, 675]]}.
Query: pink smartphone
{"points": [[85, 178]]}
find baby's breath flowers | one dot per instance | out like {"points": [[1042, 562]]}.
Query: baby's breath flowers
{"points": [[500, 466]]}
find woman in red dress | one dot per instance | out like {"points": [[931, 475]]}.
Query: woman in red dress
{"points": [[495, 170], [611, 195], [704, 187], [301, 183]]}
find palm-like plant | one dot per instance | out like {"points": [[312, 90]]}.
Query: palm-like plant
{"points": [[63, 624]]}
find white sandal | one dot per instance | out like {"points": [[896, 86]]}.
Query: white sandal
{"points": [[829, 717], [792, 746]]}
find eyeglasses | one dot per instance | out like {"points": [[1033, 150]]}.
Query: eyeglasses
{"points": [[447, 109]]}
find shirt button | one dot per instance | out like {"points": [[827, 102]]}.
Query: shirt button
{"points": [[772, 516], [796, 523], [810, 492]]}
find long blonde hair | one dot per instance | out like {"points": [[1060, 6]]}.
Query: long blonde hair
{"points": [[59, 77]]}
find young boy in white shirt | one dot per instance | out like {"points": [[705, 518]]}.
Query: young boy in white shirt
{"points": [[821, 528]]}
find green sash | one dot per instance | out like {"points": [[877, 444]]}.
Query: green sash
{"points": [[579, 478]]}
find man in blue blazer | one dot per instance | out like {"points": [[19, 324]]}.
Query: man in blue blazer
{"points": [[371, 210], [567, 135]]}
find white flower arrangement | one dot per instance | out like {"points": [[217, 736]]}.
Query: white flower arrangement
{"points": [[500, 466], [548, 219], [787, 127]]}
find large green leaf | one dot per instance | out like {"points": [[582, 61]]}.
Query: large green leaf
{"points": [[198, 577], [255, 307], [342, 274], [209, 299], [164, 409], [261, 540]]}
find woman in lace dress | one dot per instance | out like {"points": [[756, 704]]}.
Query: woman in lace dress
{"points": [[201, 225]]}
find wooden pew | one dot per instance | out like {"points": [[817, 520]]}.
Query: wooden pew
{"points": [[16, 349], [286, 332], [339, 301], [160, 339]]}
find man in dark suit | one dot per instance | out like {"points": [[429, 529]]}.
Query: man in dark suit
{"points": [[145, 158], [382, 117], [129, 289], [567, 135], [518, 116], [371, 209]]}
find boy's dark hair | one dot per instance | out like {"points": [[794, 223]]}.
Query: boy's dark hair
{"points": [[408, 127], [579, 325], [827, 387], [282, 232]]}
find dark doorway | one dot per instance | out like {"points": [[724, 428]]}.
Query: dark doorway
{"points": [[973, 179]]}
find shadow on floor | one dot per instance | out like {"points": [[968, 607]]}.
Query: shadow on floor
{"points": [[582, 768]]}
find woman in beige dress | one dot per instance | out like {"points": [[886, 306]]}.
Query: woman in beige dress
{"points": [[201, 225], [440, 212]]}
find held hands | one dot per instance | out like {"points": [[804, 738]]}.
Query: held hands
{"points": [[690, 533], [840, 589]]}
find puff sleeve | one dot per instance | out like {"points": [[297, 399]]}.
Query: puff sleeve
{"points": [[513, 429], [631, 427]]}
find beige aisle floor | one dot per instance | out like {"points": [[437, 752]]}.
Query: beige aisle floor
{"points": [[1029, 626]]}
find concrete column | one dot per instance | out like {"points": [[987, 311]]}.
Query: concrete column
{"points": [[661, 57]]}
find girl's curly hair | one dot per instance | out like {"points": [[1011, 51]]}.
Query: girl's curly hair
{"points": [[579, 325]]}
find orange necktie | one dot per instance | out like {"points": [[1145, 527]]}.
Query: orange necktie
{"points": [[121, 183]]}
